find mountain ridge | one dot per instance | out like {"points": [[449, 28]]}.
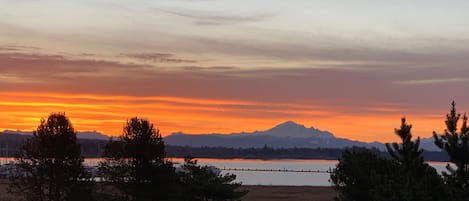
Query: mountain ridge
{"points": [[288, 134], [90, 135], [284, 135]]}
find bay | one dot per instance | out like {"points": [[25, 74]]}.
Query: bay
{"points": [[282, 178], [274, 174]]}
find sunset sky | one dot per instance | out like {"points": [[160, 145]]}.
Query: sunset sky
{"points": [[353, 68]]}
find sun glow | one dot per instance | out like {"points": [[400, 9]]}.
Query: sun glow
{"points": [[107, 114]]}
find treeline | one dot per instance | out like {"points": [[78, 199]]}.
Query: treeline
{"points": [[365, 175], [49, 167], [10, 144], [282, 153]]}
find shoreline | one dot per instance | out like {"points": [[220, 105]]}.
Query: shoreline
{"points": [[284, 193], [256, 193]]}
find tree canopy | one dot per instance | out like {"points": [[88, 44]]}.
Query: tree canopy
{"points": [[455, 142], [204, 183], [363, 175], [50, 165], [137, 165]]}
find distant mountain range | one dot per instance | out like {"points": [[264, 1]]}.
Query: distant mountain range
{"points": [[285, 135], [91, 143], [86, 135]]}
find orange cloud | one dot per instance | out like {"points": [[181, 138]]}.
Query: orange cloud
{"points": [[107, 114]]}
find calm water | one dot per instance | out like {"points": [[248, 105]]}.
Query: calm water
{"points": [[269, 178], [283, 178], [276, 178]]}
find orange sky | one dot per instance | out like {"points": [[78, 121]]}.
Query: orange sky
{"points": [[107, 114]]}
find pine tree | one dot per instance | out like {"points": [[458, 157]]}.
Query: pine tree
{"points": [[417, 180], [137, 164], [408, 152], [49, 167], [456, 144], [363, 175]]}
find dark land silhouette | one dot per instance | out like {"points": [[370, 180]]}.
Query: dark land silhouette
{"points": [[94, 148]]}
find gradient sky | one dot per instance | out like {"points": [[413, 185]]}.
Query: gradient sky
{"points": [[202, 66]]}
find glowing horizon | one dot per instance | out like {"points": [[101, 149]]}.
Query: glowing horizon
{"points": [[89, 113]]}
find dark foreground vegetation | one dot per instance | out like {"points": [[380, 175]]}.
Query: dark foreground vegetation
{"points": [[365, 175], [49, 167]]}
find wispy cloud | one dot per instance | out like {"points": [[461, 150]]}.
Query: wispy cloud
{"points": [[14, 48], [12, 79], [216, 19], [158, 57], [86, 75], [431, 81], [210, 68]]}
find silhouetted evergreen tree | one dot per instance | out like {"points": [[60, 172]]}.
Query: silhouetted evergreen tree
{"points": [[417, 180], [203, 183], [456, 144], [408, 152], [363, 175], [49, 167], [137, 164]]}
